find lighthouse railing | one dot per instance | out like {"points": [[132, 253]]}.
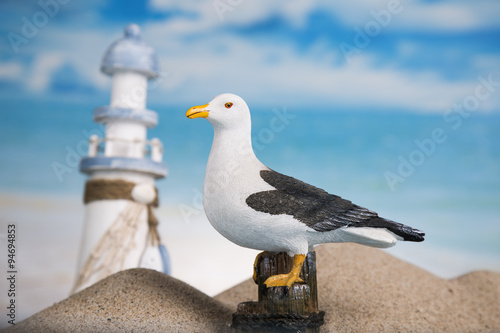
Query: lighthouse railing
{"points": [[126, 148]]}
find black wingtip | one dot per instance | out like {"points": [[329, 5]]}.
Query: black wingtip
{"points": [[406, 232], [414, 235]]}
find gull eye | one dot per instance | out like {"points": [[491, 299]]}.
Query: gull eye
{"points": [[228, 105]]}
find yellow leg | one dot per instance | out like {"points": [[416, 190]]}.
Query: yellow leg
{"points": [[287, 280], [255, 265]]}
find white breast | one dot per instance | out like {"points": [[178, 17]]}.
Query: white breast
{"points": [[232, 175]]}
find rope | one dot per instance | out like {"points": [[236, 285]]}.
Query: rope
{"points": [[109, 255], [102, 189], [278, 320]]}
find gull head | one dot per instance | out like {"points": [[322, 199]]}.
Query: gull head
{"points": [[226, 111]]}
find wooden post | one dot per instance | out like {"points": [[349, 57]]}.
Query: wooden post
{"points": [[280, 309]]}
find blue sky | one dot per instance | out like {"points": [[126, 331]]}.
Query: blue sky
{"points": [[403, 55]]}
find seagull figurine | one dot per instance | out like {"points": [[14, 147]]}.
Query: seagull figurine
{"points": [[256, 207]]}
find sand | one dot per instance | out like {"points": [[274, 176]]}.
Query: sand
{"points": [[136, 300], [361, 290]]}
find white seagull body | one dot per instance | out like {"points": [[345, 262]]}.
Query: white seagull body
{"points": [[256, 207]]}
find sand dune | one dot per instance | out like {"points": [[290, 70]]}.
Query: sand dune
{"points": [[366, 290], [136, 300], [361, 290]]}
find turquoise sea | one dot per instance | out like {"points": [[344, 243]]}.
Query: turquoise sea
{"points": [[388, 162], [423, 170]]}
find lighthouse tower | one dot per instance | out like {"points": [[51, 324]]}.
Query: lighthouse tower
{"points": [[120, 229]]}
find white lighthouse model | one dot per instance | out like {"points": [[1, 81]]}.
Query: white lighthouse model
{"points": [[120, 229]]}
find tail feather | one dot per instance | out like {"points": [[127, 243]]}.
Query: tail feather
{"points": [[406, 232]]}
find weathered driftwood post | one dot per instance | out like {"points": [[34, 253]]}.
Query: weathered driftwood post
{"points": [[280, 309]]}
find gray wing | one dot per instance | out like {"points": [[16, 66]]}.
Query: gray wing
{"points": [[318, 209]]}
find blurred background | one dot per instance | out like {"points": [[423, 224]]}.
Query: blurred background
{"points": [[394, 105]]}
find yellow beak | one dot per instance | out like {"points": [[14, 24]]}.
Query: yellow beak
{"points": [[199, 111]]}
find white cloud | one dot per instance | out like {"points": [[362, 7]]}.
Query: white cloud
{"points": [[83, 50], [11, 70], [182, 5], [418, 16], [276, 74], [42, 69], [218, 62], [201, 62], [448, 15], [86, 52], [486, 62]]}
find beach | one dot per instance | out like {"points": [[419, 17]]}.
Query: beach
{"points": [[392, 106], [359, 288], [453, 196]]}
